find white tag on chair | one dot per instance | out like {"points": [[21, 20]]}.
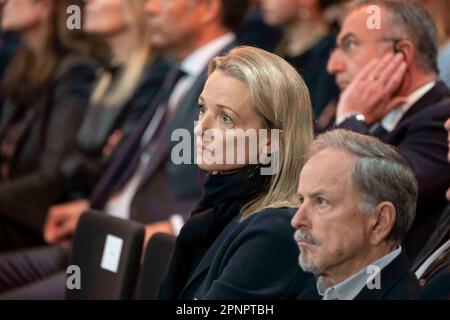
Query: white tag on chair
{"points": [[112, 253]]}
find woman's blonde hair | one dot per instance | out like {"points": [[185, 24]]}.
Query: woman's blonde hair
{"points": [[282, 100], [28, 72], [110, 95]]}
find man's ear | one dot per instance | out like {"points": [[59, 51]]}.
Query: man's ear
{"points": [[382, 222], [406, 48]]}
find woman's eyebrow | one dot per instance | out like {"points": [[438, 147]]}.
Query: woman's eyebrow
{"points": [[221, 106], [228, 108]]}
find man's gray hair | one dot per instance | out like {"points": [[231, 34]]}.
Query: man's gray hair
{"points": [[379, 174], [415, 23]]}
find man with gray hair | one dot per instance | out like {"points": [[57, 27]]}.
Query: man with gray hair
{"points": [[385, 65], [353, 215]]}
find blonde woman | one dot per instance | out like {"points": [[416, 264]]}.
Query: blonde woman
{"points": [[123, 93], [238, 243]]}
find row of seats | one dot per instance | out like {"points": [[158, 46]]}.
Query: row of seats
{"points": [[93, 252]]}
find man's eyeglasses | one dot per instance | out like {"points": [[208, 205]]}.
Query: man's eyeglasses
{"points": [[349, 45]]}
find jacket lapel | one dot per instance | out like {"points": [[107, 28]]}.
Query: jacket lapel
{"points": [[436, 238], [127, 155], [390, 276], [181, 119], [432, 97]]}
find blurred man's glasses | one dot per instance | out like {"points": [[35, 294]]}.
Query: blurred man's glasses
{"points": [[350, 45]]}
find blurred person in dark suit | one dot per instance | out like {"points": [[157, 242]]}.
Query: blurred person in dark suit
{"points": [[256, 33], [387, 72], [124, 89], [142, 182], [306, 43], [352, 218], [46, 87], [123, 92]]}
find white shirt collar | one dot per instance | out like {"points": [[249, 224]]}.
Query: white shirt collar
{"points": [[197, 61], [391, 120], [352, 286]]}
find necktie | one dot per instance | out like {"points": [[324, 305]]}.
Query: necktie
{"points": [[377, 130], [127, 158], [170, 82], [156, 122]]}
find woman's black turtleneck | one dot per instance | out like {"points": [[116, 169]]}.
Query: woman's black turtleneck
{"points": [[224, 197]]}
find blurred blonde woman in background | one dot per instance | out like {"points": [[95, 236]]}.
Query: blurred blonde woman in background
{"points": [[123, 92], [46, 87]]}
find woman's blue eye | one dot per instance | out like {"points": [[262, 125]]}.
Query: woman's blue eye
{"points": [[225, 118], [202, 109]]}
